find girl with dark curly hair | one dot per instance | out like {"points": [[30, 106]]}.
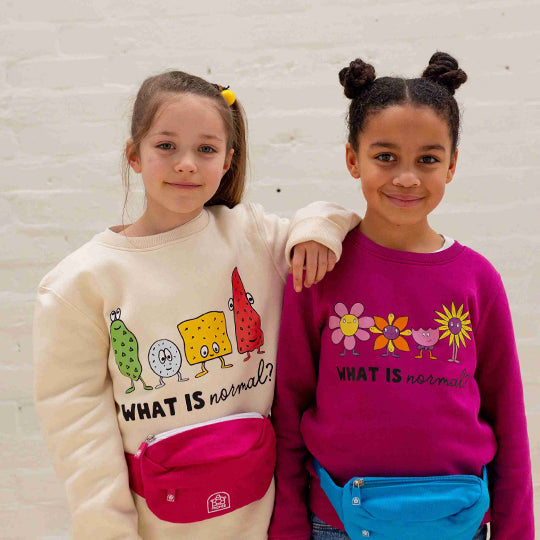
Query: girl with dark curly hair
{"points": [[399, 407]]}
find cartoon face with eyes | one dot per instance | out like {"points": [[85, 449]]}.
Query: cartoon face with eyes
{"points": [[205, 338], [249, 334], [426, 340], [165, 360], [126, 350]]}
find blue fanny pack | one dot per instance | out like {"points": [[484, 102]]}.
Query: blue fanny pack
{"points": [[410, 508]]}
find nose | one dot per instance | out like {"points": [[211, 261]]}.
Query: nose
{"points": [[185, 164], [406, 179]]}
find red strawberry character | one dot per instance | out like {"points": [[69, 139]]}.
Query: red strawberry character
{"points": [[249, 335]]}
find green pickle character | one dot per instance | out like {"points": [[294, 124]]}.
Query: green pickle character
{"points": [[126, 351]]}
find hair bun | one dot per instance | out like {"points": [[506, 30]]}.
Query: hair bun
{"points": [[443, 69], [356, 77]]}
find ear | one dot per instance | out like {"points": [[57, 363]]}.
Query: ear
{"points": [[351, 159], [228, 160], [133, 157], [452, 167]]}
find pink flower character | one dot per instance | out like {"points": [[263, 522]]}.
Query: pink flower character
{"points": [[348, 325]]}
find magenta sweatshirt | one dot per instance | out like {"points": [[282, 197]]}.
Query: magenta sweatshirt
{"points": [[400, 364]]}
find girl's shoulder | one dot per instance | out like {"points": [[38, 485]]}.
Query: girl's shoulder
{"points": [[247, 213], [249, 221], [77, 273], [480, 266]]}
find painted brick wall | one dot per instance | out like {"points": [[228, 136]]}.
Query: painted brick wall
{"points": [[68, 73]]}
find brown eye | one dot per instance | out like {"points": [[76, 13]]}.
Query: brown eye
{"points": [[428, 160], [385, 157]]}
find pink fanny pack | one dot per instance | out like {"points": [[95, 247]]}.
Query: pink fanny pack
{"points": [[205, 470]]}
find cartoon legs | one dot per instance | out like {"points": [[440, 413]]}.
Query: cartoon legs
{"points": [[454, 353], [162, 382], [132, 387], [394, 354], [204, 371], [421, 353], [345, 352], [249, 354], [223, 364]]}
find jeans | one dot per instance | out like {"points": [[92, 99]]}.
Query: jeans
{"points": [[321, 531]]}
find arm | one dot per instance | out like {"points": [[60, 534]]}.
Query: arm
{"points": [[74, 401], [321, 222], [501, 392], [297, 358]]}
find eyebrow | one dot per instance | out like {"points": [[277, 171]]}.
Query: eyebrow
{"points": [[212, 137], [395, 146], [203, 136]]}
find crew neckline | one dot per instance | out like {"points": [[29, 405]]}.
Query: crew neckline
{"points": [[115, 237], [446, 244], [435, 257]]}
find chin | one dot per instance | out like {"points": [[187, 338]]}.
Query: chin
{"points": [[406, 221]]}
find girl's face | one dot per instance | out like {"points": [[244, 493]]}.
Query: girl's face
{"points": [[404, 162], [182, 158]]}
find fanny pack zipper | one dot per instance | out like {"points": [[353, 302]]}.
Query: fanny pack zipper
{"points": [[153, 439], [368, 482], [359, 483]]}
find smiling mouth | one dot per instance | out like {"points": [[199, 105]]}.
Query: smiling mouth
{"points": [[180, 185], [404, 201]]}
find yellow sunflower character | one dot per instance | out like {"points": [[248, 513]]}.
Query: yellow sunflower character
{"points": [[392, 333], [456, 325]]}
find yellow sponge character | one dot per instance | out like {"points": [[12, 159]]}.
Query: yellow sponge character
{"points": [[205, 338]]}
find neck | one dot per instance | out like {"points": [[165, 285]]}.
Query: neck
{"points": [[417, 237], [152, 222]]}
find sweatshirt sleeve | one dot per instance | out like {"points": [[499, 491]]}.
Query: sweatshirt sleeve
{"points": [[499, 380], [324, 222], [296, 365], [74, 401]]}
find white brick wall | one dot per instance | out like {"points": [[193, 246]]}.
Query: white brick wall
{"points": [[68, 72]]}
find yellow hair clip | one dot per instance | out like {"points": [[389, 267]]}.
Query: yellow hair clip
{"points": [[228, 95]]}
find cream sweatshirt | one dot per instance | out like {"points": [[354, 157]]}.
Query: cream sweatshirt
{"points": [[115, 362]]}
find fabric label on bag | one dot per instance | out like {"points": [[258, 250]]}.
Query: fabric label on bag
{"points": [[219, 501]]}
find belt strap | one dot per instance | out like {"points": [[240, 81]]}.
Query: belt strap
{"points": [[333, 491], [134, 471]]}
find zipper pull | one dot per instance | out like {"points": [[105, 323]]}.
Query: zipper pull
{"points": [[171, 495], [144, 445], [355, 492]]}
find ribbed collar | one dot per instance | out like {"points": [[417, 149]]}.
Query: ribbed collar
{"points": [[438, 257], [114, 236]]}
